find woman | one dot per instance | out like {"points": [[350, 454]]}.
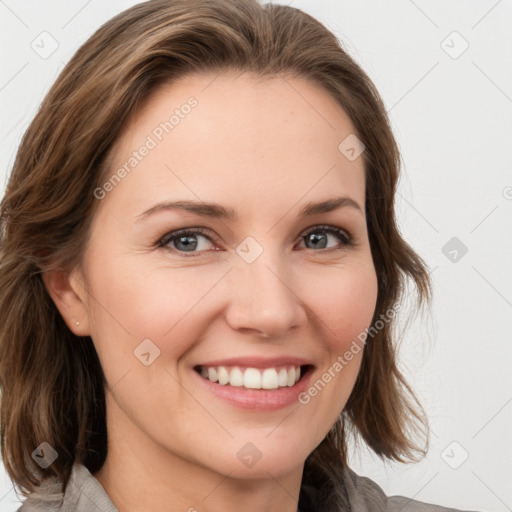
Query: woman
{"points": [[200, 272]]}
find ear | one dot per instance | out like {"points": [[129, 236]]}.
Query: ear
{"points": [[69, 297]]}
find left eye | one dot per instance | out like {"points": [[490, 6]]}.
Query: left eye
{"points": [[186, 241], [318, 240]]}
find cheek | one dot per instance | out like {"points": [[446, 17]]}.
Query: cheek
{"points": [[356, 306], [347, 309], [344, 310], [344, 300], [132, 303]]}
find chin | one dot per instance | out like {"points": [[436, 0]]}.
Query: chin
{"points": [[261, 457]]}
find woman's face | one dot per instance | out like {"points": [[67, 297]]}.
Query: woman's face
{"points": [[251, 296]]}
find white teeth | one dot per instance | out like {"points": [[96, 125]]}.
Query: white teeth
{"points": [[212, 374], [269, 379], [252, 378], [223, 375], [236, 378], [291, 377]]}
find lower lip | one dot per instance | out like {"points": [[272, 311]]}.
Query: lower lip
{"points": [[258, 399]]}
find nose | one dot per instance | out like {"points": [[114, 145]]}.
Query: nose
{"points": [[263, 300]]}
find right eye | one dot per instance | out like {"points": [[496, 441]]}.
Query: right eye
{"points": [[185, 241]]}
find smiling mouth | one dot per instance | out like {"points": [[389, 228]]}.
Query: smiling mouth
{"points": [[273, 378]]}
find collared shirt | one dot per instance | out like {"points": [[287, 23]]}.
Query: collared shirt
{"points": [[84, 493]]}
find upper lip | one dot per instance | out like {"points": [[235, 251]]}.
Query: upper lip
{"points": [[258, 362]]}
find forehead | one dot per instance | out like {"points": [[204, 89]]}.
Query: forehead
{"points": [[237, 137]]}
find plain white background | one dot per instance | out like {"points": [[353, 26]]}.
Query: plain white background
{"points": [[444, 70]]}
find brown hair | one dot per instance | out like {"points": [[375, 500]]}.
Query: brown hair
{"points": [[53, 387]]}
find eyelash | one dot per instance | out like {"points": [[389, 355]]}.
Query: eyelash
{"points": [[342, 235]]}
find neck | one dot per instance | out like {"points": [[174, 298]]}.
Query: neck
{"points": [[138, 487], [140, 475]]}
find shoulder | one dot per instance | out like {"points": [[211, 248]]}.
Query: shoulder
{"points": [[82, 492], [47, 497], [366, 496]]}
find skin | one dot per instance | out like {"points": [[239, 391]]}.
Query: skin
{"points": [[264, 148]]}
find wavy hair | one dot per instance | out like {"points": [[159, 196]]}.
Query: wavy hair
{"points": [[52, 383]]}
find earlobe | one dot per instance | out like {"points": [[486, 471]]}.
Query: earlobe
{"points": [[69, 298]]}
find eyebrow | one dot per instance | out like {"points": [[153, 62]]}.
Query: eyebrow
{"points": [[218, 211]]}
